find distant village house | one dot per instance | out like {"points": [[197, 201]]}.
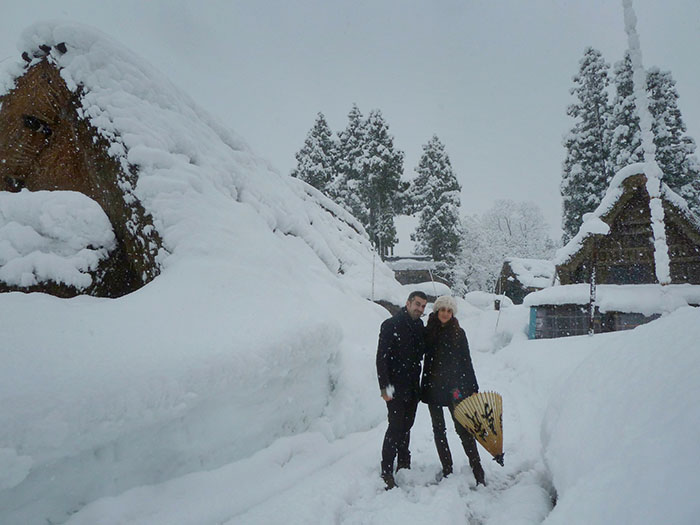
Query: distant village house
{"points": [[520, 277]]}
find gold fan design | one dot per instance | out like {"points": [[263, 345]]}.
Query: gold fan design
{"points": [[481, 414]]}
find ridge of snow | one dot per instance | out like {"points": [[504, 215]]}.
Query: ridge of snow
{"points": [[651, 168]]}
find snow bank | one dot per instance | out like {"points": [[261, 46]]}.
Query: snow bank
{"points": [[52, 235], [621, 438], [489, 330], [259, 325]]}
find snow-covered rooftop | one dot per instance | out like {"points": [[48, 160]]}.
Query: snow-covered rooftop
{"points": [[532, 273], [646, 299], [411, 264]]}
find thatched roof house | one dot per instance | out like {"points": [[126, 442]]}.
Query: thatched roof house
{"points": [[48, 143], [641, 265], [617, 239], [520, 277]]}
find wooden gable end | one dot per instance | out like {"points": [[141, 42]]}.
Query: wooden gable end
{"points": [[46, 145], [626, 254], [683, 239]]}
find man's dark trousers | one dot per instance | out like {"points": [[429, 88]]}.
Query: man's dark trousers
{"points": [[401, 414]]}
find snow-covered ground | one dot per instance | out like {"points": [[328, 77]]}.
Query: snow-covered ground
{"points": [[606, 427], [239, 385]]}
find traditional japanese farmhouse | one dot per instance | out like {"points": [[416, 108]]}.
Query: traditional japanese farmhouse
{"points": [[520, 277], [49, 147], [633, 259]]}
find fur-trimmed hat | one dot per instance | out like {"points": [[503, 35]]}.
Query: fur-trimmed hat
{"points": [[445, 301]]}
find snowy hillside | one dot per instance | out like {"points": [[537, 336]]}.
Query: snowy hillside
{"points": [[263, 288]]}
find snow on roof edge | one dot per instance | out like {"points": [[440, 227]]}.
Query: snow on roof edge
{"points": [[646, 299]]}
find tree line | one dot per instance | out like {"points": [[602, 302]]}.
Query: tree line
{"points": [[606, 136], [361, 169]]}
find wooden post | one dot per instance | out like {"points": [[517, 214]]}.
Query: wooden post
{"points": [[592, 292]]}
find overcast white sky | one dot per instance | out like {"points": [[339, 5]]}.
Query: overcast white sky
{"points": [[490, 78]]}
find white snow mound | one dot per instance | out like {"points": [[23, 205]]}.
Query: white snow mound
{"points": [[263, 292]]}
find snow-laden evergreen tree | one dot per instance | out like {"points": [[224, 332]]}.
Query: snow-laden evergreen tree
{"points": [[381, 167], [347, 189], [675, 151], [586, 173], [624, 133], [316, 159], [437, 192]]}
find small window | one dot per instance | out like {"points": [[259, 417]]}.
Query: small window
{"points": [[37, 125], [14, 184]]}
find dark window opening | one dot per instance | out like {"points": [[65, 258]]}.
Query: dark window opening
{"points": [[37, 125], [14, 184]]}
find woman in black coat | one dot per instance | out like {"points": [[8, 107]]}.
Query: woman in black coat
{"points": [[448, 376]]}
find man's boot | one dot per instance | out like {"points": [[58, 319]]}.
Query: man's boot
{"points": [[389, 481]]}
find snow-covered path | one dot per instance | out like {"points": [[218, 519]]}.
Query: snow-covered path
{"points": [[307, 479]]}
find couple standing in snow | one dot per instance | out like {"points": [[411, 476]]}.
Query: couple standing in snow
{"points": [[448, 376]]}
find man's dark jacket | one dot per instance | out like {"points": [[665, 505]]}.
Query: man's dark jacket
{"points": [[448, 365], [399, 354]]}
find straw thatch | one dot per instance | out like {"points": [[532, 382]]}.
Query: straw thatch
{"points": [[46, 145]]}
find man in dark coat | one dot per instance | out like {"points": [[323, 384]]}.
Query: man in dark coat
{"points": [[399, 355]]}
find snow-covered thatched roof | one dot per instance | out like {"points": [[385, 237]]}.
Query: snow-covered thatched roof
{"points": [[262, 293], [598, 222], [200, 182]]}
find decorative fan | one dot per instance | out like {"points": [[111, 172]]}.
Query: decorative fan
{"points": [[481, 414]]}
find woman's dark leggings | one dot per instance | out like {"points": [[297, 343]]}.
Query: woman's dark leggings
{"points": [[440, 433]]}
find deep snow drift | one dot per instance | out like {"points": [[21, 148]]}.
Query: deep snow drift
{"points": [[262, 303]]}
